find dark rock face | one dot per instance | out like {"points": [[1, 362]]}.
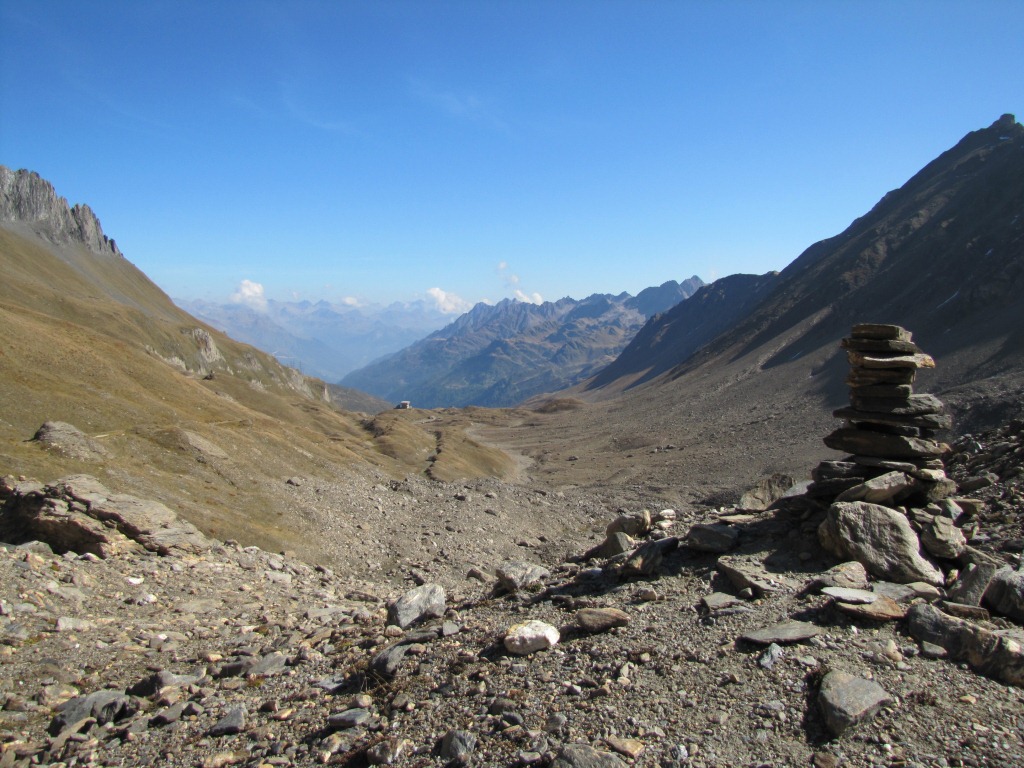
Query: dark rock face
{"points": [[942, 255], [27, 199]]}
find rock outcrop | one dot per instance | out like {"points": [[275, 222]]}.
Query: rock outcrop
{"points": [[78, 514], [28, 199]]}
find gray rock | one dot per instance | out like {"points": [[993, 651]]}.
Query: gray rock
{"points": [[105, 706], [171, 714], [233, 722], [530, 636], [718, 601], [715, 537], [615, 544], [67, 440], [972, 583], [883, 489], [350, 718], [163, 679], [771, 655], [878, 537], [884, 445], [29, 199], [516, 576], [1005, 593], [387, 663], [424, 602], [846, 595], [752, 576], [585, 756], [786, 632], [458, 744], [847, 700], [646, 559], [940, 538], [595, 620], [849, 575], [78, 514], [272, 664]]}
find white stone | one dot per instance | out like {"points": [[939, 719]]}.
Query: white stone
{"points": [[530, 636]]}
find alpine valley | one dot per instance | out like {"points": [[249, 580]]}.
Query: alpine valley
{"points": [[643, 552]]}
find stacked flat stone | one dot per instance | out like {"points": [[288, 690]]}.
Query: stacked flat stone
{"points": [[889, 431]]}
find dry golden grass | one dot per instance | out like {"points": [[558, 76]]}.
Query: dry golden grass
{"points": [[86, 339]]}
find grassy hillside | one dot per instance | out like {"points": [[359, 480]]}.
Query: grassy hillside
{"points": [[212, 427]]}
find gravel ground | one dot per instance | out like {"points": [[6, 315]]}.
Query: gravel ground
{"points": [[268, 661]]}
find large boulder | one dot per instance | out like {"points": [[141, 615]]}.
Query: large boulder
{"points": [[78, 514], [880, 538]]}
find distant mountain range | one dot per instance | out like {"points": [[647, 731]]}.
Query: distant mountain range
{"points": [[323, 339], [499, 355]]}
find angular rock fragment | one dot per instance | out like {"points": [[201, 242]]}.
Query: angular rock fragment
{"points": [[595, 620], [882, 609], [787, 632], [233, 722], [646, 559], [388, 751], [632, 524], [884, 444], [884, 489], [848, 575], [105, 706], [940, 538], [517, 576], [423, 602], [349, 718], [847, 700], [458, 744], [848, 595], [973, 583], [713, 537], [753, 576], [585, 756]]}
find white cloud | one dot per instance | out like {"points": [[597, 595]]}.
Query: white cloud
{"points": [[511, 281], [449, 303], [532, 298], [250, 294], [351, 301]]}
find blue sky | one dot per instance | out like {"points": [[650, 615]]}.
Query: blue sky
{"points": [[480, 150]]}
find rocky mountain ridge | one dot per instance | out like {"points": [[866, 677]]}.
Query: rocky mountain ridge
{"points": [[29, 200], [499, 355]]}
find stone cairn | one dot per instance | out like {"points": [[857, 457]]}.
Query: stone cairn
{"points": [[889, 431]]}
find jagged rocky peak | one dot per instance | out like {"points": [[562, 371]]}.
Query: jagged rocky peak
{"points": [[28, 199]]}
